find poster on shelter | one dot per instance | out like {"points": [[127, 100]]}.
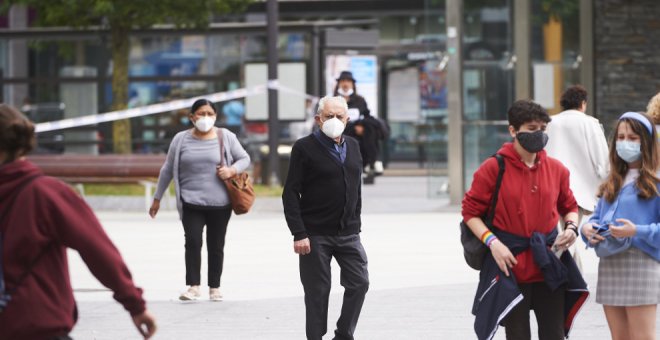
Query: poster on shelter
{"points": [[365, 72], [432, 89]]}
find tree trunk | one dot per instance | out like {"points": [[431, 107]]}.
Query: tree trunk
{"points": [[121, 129]]}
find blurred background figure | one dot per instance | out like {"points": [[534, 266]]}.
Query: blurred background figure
{"points": [[362, 126], [234, 111], [578, 141], [653, 110]]}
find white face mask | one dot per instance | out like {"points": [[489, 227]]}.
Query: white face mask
{"points": [[205, 124], [333, 128], [345, 93]]}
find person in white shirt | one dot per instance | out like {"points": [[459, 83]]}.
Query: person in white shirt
{"points": [[578, 141]]}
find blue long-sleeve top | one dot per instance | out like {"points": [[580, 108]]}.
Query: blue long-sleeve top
{"points": [[644, 213]]}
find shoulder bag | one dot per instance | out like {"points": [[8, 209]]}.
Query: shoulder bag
{"points": [[239, 187], [474, 250]]}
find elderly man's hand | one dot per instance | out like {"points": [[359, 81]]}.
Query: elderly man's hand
{"points": [[302, 247]]}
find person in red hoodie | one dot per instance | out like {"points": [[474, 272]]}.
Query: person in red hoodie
{"points": [[533, 195], [40, 217]]}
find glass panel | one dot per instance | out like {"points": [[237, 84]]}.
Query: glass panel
{"points": [[555, 51], [488, 86], [209, 62], [481, 142], [4, 54]]}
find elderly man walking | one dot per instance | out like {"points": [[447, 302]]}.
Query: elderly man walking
{"points": [[322, 202]]}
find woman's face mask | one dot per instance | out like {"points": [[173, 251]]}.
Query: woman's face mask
{"points": [[628, 145], [629, 151], [205, 124]]}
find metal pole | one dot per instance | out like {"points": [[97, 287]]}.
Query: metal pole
{"points": [[273, 123], [522, 28], [455, 99], [587, 53]]}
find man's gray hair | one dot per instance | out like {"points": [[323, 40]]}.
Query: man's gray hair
{"points": [[338, 99]]}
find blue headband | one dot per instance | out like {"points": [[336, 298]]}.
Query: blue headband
{"points": [[640, 118]]}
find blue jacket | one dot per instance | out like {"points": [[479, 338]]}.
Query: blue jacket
{"points": [[497, 294], [645, 214]]}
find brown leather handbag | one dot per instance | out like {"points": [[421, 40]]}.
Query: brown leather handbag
{"points": [[239, 187]]}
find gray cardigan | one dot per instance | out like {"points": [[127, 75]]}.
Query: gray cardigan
{"points": [[236, 156]]}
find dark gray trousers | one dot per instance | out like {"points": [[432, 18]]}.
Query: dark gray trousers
{"points": [[315, 277], [548, 307]]}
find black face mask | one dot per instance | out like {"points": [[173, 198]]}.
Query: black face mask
{"points": [[532, 141]]}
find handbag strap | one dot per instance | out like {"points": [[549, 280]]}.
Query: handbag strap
{"points": [[498, 184], [218, 132]]}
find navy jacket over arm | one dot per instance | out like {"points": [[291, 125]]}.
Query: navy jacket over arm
{"points": [[498, 294]]}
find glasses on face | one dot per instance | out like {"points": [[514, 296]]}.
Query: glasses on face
{"points": [[205, 114]]}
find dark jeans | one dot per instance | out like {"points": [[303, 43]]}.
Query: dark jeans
{"points": [[315, 277], [548, 307], [216, 221]]}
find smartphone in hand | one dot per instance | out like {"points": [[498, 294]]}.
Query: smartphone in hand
{"points": [[602, 229]]}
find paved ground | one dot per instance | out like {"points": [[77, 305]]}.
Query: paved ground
{"points": [[420, 287]]}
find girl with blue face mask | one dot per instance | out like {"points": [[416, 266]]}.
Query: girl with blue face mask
{"points": [[625, 231]]}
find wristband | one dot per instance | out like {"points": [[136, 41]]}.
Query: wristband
{"points": [[487, 238], [575, 229]]}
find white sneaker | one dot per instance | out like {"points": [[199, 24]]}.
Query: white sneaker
{"points": [[214, 294], [191, 294]]}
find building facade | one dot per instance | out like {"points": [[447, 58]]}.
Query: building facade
{"points": [[397, 49]]}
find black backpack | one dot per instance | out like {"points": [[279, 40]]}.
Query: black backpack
{"points": [[5, 295], [474, 250]]}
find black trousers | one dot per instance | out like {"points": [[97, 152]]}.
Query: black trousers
{"points": [[315, 277], [548, 307], [216, 220]]}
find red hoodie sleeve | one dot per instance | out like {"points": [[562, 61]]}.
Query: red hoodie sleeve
{"points": [[73, 224], [477, 200], [566, 202]]}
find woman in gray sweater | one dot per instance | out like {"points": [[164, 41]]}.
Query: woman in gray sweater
{"points": [[193, 162]]}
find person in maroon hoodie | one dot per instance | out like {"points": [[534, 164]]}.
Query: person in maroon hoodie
{"points": [[533, 195], [42, 218]]}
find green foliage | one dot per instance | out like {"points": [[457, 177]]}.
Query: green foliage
{"points": [[127, 13], [560, 9], [138, 190]]}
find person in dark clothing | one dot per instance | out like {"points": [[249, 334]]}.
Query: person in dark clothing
{"points": [[322, 204], [40, 217], [365, 128]]}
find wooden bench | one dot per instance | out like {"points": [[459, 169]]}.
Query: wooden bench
{"points": [[103, 169]]}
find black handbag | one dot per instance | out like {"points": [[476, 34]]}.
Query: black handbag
{"points": [[474, 250]]}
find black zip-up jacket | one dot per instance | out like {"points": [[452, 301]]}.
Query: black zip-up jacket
{"points": [[321, 195]]}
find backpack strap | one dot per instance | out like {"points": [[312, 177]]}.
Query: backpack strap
{"points": [[12, 199], [5, 294], [498, 184]]}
